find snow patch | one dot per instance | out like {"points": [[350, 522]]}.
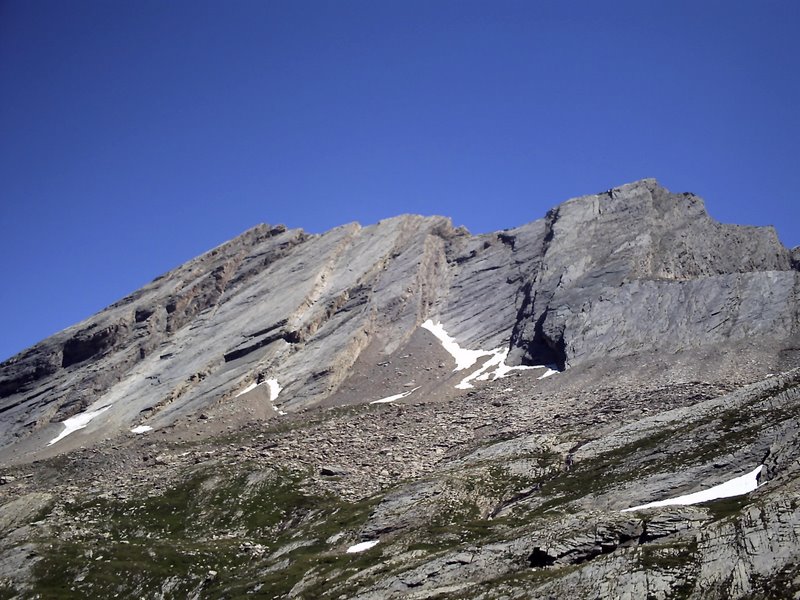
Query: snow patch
{"points": [[77, 422], [735, 487], [362, 546], [249, 388], [485, 371], [464, 358], [547, 373], [141, 429], [395, 397], [495, 368], [503, 369], [274, 389]]}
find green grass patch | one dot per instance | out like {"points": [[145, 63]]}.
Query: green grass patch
{"points": [[727, 507], [667, 556], [8, 591], [142, 546]]}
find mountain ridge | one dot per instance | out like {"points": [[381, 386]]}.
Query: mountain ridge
{"points": [[407, 410], [590, 279]]}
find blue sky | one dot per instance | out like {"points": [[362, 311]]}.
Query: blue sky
{"points": [[136, 135]]}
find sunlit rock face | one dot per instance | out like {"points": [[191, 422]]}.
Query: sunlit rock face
{"points": [[636, 269], [593, 404]]}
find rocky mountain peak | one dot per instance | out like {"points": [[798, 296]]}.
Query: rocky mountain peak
{"points": [[405, 409], [635, 269]]}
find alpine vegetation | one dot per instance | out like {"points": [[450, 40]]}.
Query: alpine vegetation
{"points": [[601, 403]]}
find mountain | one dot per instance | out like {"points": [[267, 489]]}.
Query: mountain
{"points": [[409, 410]]}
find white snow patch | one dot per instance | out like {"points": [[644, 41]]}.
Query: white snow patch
{"points": [[503, 369], [249, 388], [485, 371], [77, 422], [274, 389], [735, 487], [494, 368], [362, 546], [141, 429], [395, 397], [547, 373], [464, 358]]}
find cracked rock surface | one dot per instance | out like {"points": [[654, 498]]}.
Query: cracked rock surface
{"points": [[265, 464]]}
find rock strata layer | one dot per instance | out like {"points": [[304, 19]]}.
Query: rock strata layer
{"points": [[636, 269], [406, 410]]}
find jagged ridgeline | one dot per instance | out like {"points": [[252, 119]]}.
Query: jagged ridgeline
{"points": [[600, 403]]}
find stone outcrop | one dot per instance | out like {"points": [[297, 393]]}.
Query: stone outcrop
{"points": [[633, 270], [640, 268], [272, 418]]}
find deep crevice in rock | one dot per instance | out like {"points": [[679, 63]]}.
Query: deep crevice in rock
{"points": [[539, 558]]}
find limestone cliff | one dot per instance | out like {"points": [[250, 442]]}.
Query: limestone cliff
{"points": [[633, 270], [261, 415]]}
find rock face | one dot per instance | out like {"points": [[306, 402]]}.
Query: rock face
{"points": [[268, 406], [640, 268], [633, 270]]}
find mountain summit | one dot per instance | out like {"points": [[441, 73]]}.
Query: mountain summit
{"points": [[424, 413]]}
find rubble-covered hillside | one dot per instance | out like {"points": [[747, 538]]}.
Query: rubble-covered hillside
{"points": [[599, 404]]}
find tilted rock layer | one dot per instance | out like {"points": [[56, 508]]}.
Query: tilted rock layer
{"points": [[287, 416], [631, 270]]}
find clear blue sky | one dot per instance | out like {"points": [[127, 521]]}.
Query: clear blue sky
{"points": [[135, 135]]}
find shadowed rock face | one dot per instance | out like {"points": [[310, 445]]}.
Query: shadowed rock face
{"points": [[635, 269]]}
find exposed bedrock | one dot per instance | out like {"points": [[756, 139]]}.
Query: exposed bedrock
{"points": [[635, 269], [639, 267]]}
